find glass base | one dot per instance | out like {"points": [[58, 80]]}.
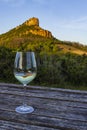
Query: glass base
{"points": [[24, 109]]}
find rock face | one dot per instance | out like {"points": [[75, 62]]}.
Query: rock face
{"points": [[32, 21], [37, 29]]}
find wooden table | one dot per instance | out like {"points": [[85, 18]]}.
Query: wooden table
{"points": [[55, 109]]}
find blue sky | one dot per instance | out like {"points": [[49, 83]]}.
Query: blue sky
{"points": [[66, 19]]}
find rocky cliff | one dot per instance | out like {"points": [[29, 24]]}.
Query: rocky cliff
{"points": [[37, 29], [32, 22]]}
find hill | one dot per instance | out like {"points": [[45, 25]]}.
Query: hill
{"points": [[67, 69], [30, 36]]}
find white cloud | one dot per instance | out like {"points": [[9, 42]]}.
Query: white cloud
{"points": [[79, 23]]}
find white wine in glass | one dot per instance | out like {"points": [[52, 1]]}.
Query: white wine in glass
{"points": [[25, 70]]}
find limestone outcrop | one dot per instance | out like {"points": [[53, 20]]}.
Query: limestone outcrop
{"points": [[32, 22], [37, 30]]}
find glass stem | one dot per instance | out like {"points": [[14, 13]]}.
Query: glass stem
{"points": [[24, 98]]}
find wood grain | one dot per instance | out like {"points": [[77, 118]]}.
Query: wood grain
{"points": [[55, 109]]}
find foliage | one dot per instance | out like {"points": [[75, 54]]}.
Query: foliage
{"points": [[57, 61], [63, 69], [20, 38], [6, 65], [53, 69]]}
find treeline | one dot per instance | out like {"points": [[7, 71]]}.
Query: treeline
{"points": [[62, 70], [21, 38], [6, 65], [76, 45], [53, 69]]}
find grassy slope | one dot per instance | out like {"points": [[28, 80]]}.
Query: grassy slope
{"points": [[20, 36]]}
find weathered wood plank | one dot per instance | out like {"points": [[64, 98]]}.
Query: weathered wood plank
{"points": [[32, 119], [72, 116], [50, 107], [45, 103], [54, 108], [46, 93], [41, 88], [8, 125]]}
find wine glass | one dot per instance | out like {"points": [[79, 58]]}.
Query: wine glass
{"points": [[25, 71]]}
